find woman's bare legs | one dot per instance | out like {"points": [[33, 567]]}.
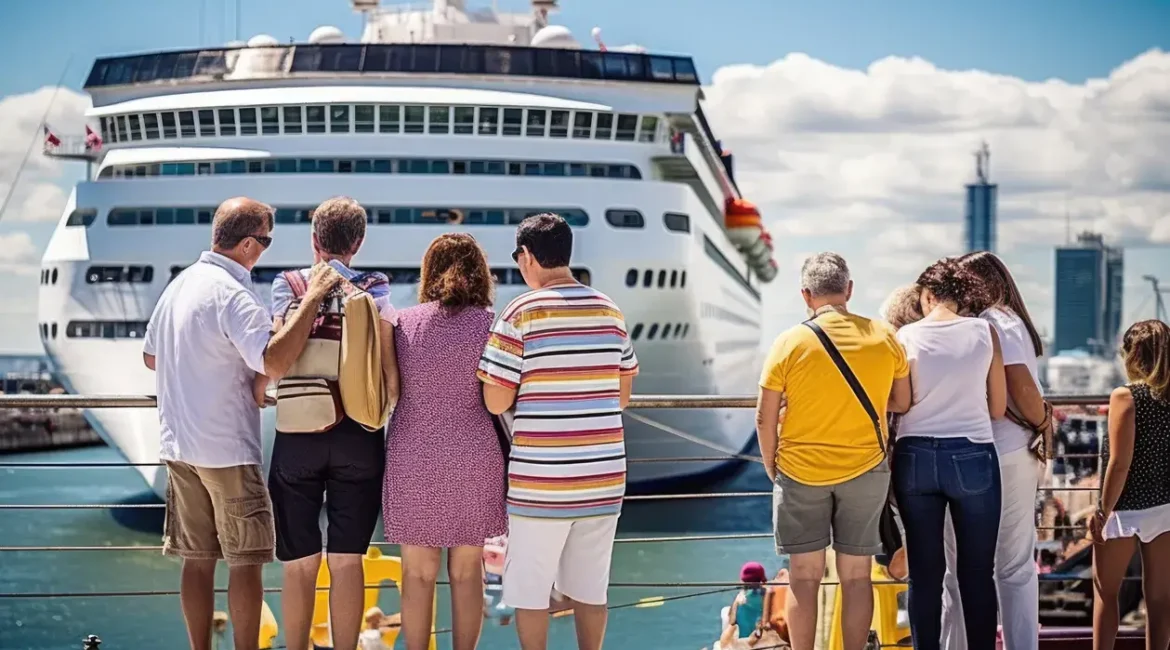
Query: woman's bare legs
{"points": [[1156, 562], [420, 570], [465, 567], [1110, 561]]}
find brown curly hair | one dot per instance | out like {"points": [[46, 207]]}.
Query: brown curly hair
{"points": [[455, 273], [948, 280], [1145, 349]]}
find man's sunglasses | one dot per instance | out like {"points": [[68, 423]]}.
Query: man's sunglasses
{"points": [[263, 240], [517, 253]]}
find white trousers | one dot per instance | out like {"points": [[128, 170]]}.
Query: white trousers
{"points": [[1015, 561]]}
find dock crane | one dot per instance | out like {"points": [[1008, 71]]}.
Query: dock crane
{"points": [[1159, 303]]}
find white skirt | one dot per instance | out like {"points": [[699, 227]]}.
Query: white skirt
{"points": [[1144, 524]]}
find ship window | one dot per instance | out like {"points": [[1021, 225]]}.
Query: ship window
{"points": [[515, 169], [124, 134], [647, 278], [185, 216], [661, 68], [554, 169], [363, 118], [339, 118], [270, 120], [53, 330], [626, 127], [388, 118], [107, 132], [666, 330], [81, 217], [168, 125], [535, 127], [187, 124], [248, 121], [625, 218], [558, 124], [649, 127], [637, 331], [207, 123], [673, 279], [661, 279], [106, 329], [677, 222], [292, 119], [684, 70], [464, 120], [489, 119], [150, 126], [314, 119], [165, 216], [227, 121], [631, 277], [439, 120], [686, 330], [512, 119], [413, 119], [54, 276], [135, 127], [653, 331], [604, 126], [582, 124]]}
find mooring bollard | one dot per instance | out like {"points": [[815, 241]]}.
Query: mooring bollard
{"points": [[92, 642]]}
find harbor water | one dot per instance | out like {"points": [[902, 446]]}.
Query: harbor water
{"points": [[140, 622]]}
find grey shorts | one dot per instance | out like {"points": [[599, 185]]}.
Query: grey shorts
{"points": [[805, 518]]}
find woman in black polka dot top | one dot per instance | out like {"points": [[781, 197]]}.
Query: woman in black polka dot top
{"points": [[1135, 491]]}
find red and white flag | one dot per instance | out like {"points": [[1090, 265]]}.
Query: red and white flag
{"points": [[93, 141], [50, 139]]}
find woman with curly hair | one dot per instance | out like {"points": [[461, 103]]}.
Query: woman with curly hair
{"points": [[944, 456], [1134, 513], [444, 485]]}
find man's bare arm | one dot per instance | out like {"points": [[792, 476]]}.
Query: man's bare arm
{"points": [[289, 341]]}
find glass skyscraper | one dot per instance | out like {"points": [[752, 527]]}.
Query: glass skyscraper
{"points": [[1089, 285], [979, 223]]}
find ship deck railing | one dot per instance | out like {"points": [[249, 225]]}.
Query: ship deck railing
{"points": [[637, 402]]}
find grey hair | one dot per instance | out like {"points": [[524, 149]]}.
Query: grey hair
{"points": [[825, 274]]}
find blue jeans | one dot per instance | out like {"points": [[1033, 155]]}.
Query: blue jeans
{"points": [[932, 475]]}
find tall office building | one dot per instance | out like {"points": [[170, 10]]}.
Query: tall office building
{"points": [[1089, 285], [980, 217]]}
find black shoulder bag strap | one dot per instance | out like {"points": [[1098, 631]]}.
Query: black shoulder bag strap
{"points": [[851, 379]]}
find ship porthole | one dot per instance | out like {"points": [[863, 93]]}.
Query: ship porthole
{"points": [[54, 276]]}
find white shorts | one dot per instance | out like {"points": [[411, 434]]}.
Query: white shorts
{"points": [[572, 555], [1144, 524]]}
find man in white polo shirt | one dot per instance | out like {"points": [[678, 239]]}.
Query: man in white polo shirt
{"points": [[208, 339]]}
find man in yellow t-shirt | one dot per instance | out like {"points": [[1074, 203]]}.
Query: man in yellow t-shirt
{"points": [[826, 462]]}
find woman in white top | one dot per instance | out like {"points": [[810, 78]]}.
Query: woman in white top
{"points": [[1020, 469], [1135, 492], [944, 455]]}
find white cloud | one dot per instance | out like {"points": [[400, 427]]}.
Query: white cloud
{"points": [[831, 153], [18, 254], [38, 195]]}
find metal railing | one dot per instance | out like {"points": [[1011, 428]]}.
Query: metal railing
{"points": [[636, 402]]}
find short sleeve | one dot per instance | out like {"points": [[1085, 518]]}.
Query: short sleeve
{"points": [[774, 376], [901, 366], [150, 338], [248, 325], [1015, 345], [386, 310], [503, 356], [282, 296], [629, 366]]}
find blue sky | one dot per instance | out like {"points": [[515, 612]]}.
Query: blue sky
{"points": [[805, 54]]}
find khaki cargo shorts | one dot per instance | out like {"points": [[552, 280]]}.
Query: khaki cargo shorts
{"points": [[218, 513]]}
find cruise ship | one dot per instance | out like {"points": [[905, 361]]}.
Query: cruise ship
{"points": [[436, 118]]}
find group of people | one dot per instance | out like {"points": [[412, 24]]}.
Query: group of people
{"points": [[506, 423], [937, 408], [511, 424]]}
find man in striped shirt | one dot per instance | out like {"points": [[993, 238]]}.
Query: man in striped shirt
{"points": [[561, 355]]}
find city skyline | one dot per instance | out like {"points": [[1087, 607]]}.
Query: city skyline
{"points": [[852, 127]]}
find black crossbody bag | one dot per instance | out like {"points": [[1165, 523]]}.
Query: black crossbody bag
{"points": [[887, 525]]}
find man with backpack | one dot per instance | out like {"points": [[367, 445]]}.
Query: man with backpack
{"points": [[325, 446], [837, 372]]}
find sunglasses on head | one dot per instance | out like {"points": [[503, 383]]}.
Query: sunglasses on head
{"points": [[516, 254], [263, 240]]}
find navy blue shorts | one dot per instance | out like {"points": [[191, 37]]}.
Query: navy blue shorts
{"points": [[341, 469]]}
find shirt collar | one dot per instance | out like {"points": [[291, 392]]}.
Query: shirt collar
{"points": [[234, 268]]}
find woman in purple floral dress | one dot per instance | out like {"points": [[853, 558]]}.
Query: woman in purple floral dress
{"points": [[445, 476]]}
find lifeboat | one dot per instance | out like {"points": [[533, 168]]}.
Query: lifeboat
{"points": [[746, 230]]}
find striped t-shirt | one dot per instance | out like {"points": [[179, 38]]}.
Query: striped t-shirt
{"points": [[565, 350]]}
